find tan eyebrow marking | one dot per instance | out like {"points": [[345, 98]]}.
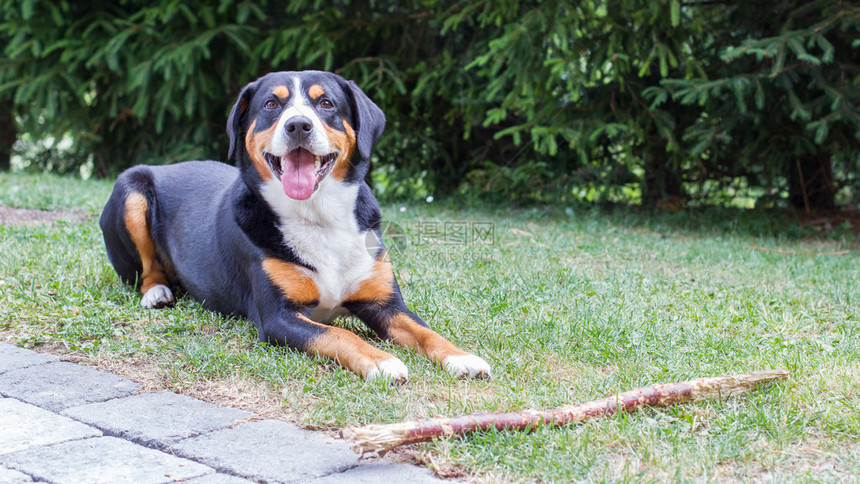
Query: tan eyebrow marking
{"points": [[281, 91], [316, 91]]}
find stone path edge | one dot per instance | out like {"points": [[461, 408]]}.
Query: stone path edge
{"points": [[166, 435]]}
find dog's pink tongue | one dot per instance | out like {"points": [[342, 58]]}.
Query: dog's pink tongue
{"points": [[299, 175]]}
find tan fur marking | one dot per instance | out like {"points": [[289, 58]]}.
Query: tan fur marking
{"points": [[152, 273], [254, 143], [292, 280], [344, 141], [281, 91], [347, 349], [406, 332], [316, 91], [378, 287]]}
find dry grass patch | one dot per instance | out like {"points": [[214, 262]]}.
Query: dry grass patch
{"points": [[32, 217]]}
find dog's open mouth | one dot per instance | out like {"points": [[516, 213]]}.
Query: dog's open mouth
{"points": [[301, 171]]}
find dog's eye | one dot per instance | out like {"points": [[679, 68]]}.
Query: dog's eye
{"points": [[326, 104], [271, 104]]}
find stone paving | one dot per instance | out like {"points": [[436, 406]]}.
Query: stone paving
{"points": [[65, 423]]}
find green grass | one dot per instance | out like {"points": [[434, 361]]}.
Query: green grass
{"points": [[567, 304]]}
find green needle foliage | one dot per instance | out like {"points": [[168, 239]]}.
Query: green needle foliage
{"points": [[619, 100], [779, 101]]}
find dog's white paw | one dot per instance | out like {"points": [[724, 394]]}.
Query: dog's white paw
{"points": [[391, 369], [467, 366], [157, 296]]}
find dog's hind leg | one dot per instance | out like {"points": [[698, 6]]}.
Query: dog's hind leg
{"points": [[153, 282], [127, 228]]}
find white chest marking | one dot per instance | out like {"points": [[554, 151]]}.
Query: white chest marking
{"points": [[323, 233]]}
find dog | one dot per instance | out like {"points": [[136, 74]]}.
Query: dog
{"points": [[281, 238]]}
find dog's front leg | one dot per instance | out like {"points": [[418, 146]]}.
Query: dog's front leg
{"points": [[297, 331], [283, 297], [397, 323], [379, 304]]}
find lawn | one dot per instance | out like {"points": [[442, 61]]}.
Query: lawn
{"points": [[566, 303]]}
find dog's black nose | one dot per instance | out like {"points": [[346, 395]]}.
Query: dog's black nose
{"points": [[299, 127]]}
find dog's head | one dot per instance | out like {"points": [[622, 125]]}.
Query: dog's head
{"points": [[301, 128]]}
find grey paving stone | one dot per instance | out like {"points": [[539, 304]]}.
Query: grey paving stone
{"points": [[270, 451], [23, 426], [13, 358], [379, 472], [102, 460], [219, 479], [55, 386], [156, 419], [8, 476]]}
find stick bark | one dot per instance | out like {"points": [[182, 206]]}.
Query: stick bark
{"points": [[384, 437]]}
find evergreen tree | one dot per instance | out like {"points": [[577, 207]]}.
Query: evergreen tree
{"points": [[540, 100], [778, 101]]}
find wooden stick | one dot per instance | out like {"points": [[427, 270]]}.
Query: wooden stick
{"points": [[382, 438]]}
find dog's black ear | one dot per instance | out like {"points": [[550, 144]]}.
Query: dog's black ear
{"points": [[234, 121], [369, 120]]}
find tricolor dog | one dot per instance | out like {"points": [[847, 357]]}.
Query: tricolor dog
{"points": [[281, 238]]}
